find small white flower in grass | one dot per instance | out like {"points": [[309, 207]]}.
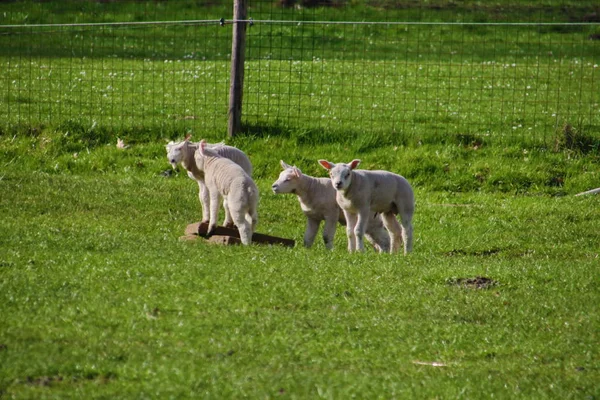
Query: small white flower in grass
{"points": [[121, 144], [433, 364]]}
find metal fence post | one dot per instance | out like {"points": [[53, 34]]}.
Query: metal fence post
{"points": [[238, 55]]}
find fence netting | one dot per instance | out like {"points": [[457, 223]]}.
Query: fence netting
{"points": [[397, 68]]}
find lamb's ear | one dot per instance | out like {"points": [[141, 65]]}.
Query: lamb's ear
{"points": [[284, 165], [326, 164], [354, 163], [202, 146], [297, 171]]}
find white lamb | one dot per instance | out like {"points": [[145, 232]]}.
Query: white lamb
{"points": [[317, 200], [224, 178], [183, 152], [361, 192]]}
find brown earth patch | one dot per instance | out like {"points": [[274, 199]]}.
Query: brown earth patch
{"points": [[478, 282]]}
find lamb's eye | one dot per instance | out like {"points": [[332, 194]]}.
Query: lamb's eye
{"points": [[286, 180]]}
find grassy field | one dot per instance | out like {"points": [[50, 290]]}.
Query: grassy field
{"points": [[100, 299], [411, 82], [411, 101]]}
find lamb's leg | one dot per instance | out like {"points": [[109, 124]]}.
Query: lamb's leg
{"points": [[253, 217], [245, 232], [312, 227], [351, 220], [329, 231], [407, 233], [244, 227], [360, 228], [377, 234], [228, 220], [215, 201], [204, 200], [393, 227]]}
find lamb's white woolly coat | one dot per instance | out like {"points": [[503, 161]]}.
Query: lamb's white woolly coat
{"points": [[360, 192], [183, 152], [224, 178], [317, 199]]}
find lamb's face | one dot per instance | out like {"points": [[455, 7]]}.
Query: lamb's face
{"points": [[341, 176], [287, 182], [174, 153]]}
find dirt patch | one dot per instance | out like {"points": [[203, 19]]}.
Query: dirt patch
{"points": [[45, 381], [478, 282], [477, 253]]}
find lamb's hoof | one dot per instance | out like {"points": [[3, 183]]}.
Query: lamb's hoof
{"points": [[210, 231]]}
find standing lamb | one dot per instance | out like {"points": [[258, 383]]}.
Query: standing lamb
{"points": [[317, 201], [183, 152], [360, 192], [224, 178]]}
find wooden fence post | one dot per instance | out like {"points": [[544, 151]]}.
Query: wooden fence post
{"points": [[238, 56]]}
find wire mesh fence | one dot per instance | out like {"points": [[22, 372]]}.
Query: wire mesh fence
{"points": [[118, 77], [363, 68]]}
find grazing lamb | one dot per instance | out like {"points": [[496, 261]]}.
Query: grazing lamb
{"points": [[224, 178], [360, 192], [317, 200], [183, 152]]}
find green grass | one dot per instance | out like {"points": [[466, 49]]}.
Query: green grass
{"points": [[404, 81], [100, 299], [498, 101]]}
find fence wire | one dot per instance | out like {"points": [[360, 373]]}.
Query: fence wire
{"points": [[406, 72]]}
